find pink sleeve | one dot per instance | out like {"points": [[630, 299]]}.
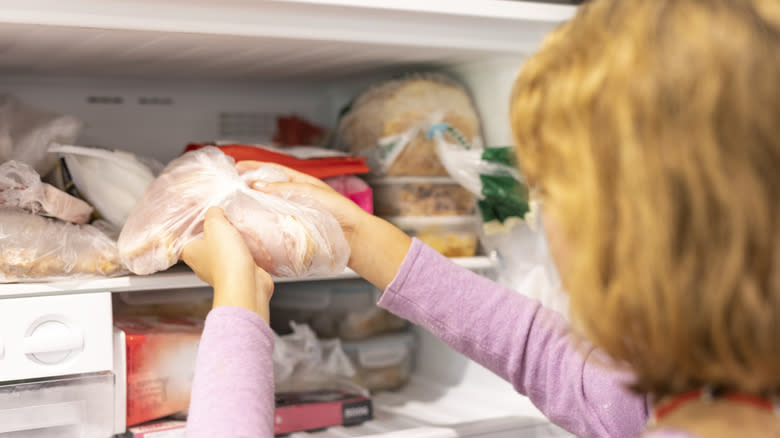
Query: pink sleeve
{"points": [[233, 389], [519, 340]]}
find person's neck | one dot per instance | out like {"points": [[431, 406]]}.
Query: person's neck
{"points": [[722, 419]]}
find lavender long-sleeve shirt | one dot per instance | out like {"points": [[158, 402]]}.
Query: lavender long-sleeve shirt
{"points": [[513, 336]]}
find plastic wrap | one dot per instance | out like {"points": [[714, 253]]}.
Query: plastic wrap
{"points": [[112, 181], [21, 186], [288, 235], [304, 363], [35, 248], [388, 123], [26, 133]]}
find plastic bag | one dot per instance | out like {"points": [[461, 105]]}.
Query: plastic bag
{"points": [[512, 227], [35, 248], [524, 262], [26, 133], [304, 363], [112, 181], [388, 123], [488, 173], [288, 235], [21, 186]]}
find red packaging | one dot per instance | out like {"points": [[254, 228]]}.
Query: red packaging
{"points": [[302, 411], [294, 131], [158, 429], [316, 167], [161, 356]]}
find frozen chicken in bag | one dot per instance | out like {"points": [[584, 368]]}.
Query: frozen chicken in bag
{"points": [[21, 186], [288, 235], [35, 248]]}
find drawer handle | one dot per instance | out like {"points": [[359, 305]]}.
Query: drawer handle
{"points": [[63, 340]]}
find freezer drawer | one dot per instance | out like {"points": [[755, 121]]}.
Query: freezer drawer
{"points": [[79, 406], [55, 335]]}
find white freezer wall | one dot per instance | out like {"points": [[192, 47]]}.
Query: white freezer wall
{"points": [[189, 110], [490, 83]]}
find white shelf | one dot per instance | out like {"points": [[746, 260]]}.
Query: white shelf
{"points": [[178, 277], [260, 39], [427, 410]]}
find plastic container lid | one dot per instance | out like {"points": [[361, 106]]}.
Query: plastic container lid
{"points": [[381, 352], [348, 295], [412, 180]]}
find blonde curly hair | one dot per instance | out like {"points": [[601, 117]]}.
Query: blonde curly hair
{"points": [[652, 129]]}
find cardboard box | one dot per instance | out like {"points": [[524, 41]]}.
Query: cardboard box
{"points": [[306, 411], [160, 365], [158, 429]]}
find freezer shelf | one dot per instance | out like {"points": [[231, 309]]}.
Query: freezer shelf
{"points": [[456, 412], [178, 277]]}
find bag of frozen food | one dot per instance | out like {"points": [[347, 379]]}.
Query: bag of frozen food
{"points": [[112, 181], [21, 186], [26, 133], [389, 122], [490, 174], [35, 248], [288, 235]]}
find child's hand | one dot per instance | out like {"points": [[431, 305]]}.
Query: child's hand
{"points": [[347, 213], [222, 259], [377, 247]]}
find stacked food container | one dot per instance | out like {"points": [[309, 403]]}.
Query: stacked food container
{"points": [[390, 124], [379, 344]]}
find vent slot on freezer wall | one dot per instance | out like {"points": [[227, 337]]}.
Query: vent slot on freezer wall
{"points": [[246, 126]]}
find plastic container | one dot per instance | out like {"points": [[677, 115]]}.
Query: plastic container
{"points": [[420, 196], [78, 406], [452, 236], [343, 309], [383, 363]]}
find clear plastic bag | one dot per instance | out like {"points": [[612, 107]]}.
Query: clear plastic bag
{"points": [[388, 123], [112, 181], [35, 248], [524, 262], [21, 186], [489, 174], [26, 133], [288, 235], [304, 363], [512, 230]]}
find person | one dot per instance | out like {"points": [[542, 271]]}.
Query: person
{"points": [[650, 129]]}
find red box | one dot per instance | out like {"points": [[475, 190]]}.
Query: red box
{"points": [[161, 355], [303, 411], [158, 429]]}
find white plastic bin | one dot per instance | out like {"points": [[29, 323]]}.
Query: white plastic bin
{"points": [[80, 406]]}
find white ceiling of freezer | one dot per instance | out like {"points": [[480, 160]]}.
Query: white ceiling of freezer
{"points": [[260, 39]]}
